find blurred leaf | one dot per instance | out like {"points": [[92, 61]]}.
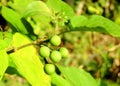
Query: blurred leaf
{"points": [[95, 23], [14, 19], [2, 84], [102, 82], [19, 5], [17, 23], [59, 81], [117, 19], [61, 7], [5, 40], [77, 77], [36, 8], [102, 3], [3, 62], [28, 26], [111, 83], [39, 16], [28, 63], [3, 44]]}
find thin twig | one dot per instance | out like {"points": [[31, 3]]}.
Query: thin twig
{"points": [[38, 41]]}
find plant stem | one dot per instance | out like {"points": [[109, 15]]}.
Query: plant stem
{"points": [[38, 41]]}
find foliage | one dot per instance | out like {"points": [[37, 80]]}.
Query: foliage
{"points": [[31, 25]]}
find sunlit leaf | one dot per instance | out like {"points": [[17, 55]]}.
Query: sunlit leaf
{"points": [[77, 77], [94, 23], [19, 6], [14, 19], [59, 81], [3, 62], [37, 11], [36, 8], [16, 23], [5, 40], [28, 63]]}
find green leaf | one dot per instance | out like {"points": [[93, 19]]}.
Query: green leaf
{"points": [[18, 5], [78, 77], [28, 26], [3, 44], [28, 63], [5, 40], [14, 19], [61, 7], [3, 62], [40, 15], [36, 8], [94, 23], [59, 81]]}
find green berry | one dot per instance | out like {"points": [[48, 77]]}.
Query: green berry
{"points": [[49, 69], [55, 56], [55, 40], [64, 52], [44, 51]]}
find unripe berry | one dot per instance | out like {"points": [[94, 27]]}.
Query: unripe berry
{"points": [[55, 56], [55, 40], [49, 69], [44, 51], [64, 52]]}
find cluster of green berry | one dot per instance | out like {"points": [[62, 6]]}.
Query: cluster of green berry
{"points": [[55, 55]]}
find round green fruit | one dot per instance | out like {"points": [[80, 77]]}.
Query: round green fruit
{"points": [[49, 69], [55, 56], [55, 40], [64, 52], [44, 51]]}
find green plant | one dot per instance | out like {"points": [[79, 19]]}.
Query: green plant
{"points": [[64, 52], [44, 51], [55, 40], [49, 69], [55, 56], [20, 43]]}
